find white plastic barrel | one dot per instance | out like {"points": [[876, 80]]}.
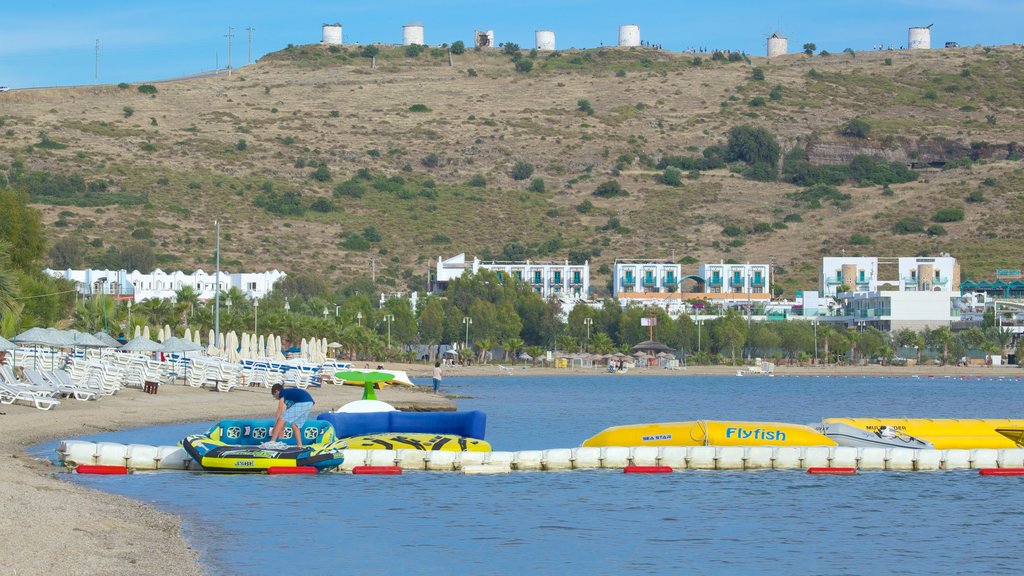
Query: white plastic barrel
{"points": [[644, 456], [499, 459], [872, 458], [586, 457], [928, 459], [615, 457], [353, 458], [527, 460], [111, 454], [486, 469], [471, 459], [785, 457], [816, 457], [701, 458], [1011, 458], [142, 456], [984, 458], [755, 457], [673, 456], [173, 458], [900, 459], [956, 459], [557, 459], [441, 461], [730, 458], [381, 457], [75, 452], [407, 459], [843, 457]]}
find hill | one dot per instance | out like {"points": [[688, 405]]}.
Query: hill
{"points": [[317, 162]]}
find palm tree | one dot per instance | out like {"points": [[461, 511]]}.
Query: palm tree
{"points": [[185, 300], [484, 345], [536, 352], [512, 346], [601, 343], [8, 281]]}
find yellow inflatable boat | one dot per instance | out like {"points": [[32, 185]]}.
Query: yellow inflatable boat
{"points": [[710, 433], [948, 433], [415, 441]]}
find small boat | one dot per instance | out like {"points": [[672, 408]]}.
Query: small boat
{"points": [[236, 446], [710, 433], [945, 433], [882, 437]]}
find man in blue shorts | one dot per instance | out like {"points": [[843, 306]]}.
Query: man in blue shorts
{"points": [[293, 406]]}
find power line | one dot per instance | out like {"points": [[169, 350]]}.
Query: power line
{"points": [[250, 30], [229, 37]]}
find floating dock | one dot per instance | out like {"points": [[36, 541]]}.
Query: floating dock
{"points": [[73, 453]]}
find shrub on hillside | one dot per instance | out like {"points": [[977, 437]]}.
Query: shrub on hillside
{"points": [[908, 225], [477, 181], [521, 170], [751, 145], [524, 66], [583, 105], [147, 89], [949, 214], [458, 47], [419, 108], [856, 128], [537, 185], [610, 189]]}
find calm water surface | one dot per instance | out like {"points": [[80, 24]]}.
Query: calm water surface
{"points": [[606, 522]]}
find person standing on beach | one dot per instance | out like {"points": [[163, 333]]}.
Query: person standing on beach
{"points": [[293, 407], [437, 376]]}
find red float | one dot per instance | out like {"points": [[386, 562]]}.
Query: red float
{"points": [[291, 470], [833, 471], [96, 469], [647, 469], [1001, 471], [379, 470]]}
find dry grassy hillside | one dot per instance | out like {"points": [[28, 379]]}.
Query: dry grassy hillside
{"points": [[174, 161]]}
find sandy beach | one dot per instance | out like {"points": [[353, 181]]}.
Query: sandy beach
{"points": [[52, 526]]}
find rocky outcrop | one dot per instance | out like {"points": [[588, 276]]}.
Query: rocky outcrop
{"points": [[915, 153]]}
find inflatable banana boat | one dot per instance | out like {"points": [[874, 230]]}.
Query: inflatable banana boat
{"points": [[235, 446], [710, 433]]}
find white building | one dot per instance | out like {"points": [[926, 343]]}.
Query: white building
{"points": [[737, 281], [893, 293], [137, 286], [645, 276], [549, 279], [906, 274]]}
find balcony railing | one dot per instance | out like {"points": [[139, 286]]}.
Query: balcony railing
{"points": [[648, 282], [715, 282]]}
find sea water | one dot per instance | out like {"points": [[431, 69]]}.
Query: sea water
{"points": [[604, 521]]}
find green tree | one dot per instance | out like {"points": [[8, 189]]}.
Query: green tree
{"points": [[432, 325], [21, 227], [809, 48], [458, 47], [752, 145], [856, 128], [730, 332], [8, 283]]}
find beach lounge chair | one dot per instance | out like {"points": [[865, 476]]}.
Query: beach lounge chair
{"points": [[11, 394], [63, 381], [38, 380]]}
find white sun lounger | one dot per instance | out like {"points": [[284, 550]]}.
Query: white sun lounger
{"points": [[11, 394]]}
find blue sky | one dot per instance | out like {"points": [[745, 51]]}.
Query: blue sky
{"points": [[50, 43]]}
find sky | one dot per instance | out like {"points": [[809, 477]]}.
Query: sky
{"points": [[53, 43]]}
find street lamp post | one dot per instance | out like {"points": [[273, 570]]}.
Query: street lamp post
{"points": [[588, 322], [359, 317], [129, 316], [815, 324], [700, 327], [325, 313], [287, 306], [389, 318], [256, 315], [467, 321]]}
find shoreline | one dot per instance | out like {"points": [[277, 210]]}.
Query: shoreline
{"points": [[65, 524], [61, 527]]}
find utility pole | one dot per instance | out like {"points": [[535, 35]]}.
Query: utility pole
{"points": [[250, 30], [229, 37], [96, 70]]}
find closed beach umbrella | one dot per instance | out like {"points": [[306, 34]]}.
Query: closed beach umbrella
{"points": [[188, 334], [261, 347], [138, 332], [167, 332], [197, 339], [145, 331]]}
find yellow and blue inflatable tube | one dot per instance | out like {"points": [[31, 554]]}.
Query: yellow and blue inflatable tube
{"points": [[235, 446]]}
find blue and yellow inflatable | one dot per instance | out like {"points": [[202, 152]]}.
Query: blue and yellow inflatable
{"points": [[234, 446]]}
